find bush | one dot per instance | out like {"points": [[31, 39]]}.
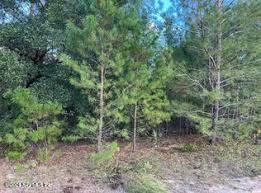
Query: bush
{"points": [[145, 183]]}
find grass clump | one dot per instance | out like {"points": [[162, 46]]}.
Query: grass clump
{"points": [[15, 155], [105, 158], [43, 154], [145, 183], [104, 163], [20, 168], [189, 148]]}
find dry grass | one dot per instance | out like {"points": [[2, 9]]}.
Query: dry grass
{"points": [[67, 170]]}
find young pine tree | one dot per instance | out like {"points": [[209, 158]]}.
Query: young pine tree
{"points": [[35, 123], [96, 46], [219, 71], [142, 88]]}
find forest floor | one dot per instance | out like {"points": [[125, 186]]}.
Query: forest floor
{"points": [[222, 168]]}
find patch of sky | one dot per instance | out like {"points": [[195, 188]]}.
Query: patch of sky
{"points": [[167, 9], [22, 9]]}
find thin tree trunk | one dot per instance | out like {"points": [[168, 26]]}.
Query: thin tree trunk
{"points": [[180, 126], [215, 114], [167, 129], [32, 7], [134, 128], [99, 147], [237, 116], [228, 113]]}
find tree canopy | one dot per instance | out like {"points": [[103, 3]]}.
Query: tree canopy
{"points": [[98, 70]]}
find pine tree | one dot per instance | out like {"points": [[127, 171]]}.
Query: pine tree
{"points": [[33, 123], [144, 81], [97, 58], [219, 70]]}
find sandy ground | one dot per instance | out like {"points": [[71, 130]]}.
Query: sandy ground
{"points": [[231, 185], [182, 173]]}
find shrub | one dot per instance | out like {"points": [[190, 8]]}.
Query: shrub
{"points": [[104, 165], [145, 183], [105, 160], [15, 155]]}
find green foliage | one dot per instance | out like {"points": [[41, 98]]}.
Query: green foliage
{"points": [[104, 160], [142, 176], [145, 183], [43, 154], [93, 45], [193, 90], [58, 50], [70, 138], [87, 127], [32, 42], [51, 89], [124, 133], [189, 148], [20, 168], [36, 123], [17, 139], [144, 167], [15, 155], [13, 72]]}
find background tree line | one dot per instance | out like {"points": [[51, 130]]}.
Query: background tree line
{"points": [[98, 70]]}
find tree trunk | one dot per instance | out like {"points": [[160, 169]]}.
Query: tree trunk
{"points": [[99, 147], [180, 126], [134, 128], [32, 7], [215, 114]]}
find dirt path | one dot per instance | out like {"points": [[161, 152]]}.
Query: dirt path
{"points": [[237, 185]]}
